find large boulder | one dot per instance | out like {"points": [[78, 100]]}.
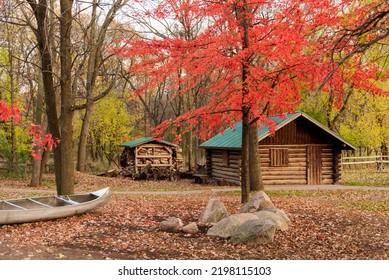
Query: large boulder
{"points": [[172, 224], [257, 202], [214, 212], [254, 232], [276, 219], [225, 227], [281, 214]]}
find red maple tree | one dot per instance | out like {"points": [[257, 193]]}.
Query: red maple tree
{"points": [[39, 141], [250, 61]]}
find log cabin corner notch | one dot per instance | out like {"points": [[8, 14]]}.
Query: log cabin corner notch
{"points": [[302, 151]]}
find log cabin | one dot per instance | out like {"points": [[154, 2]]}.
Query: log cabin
{"points": [[302, 151]]}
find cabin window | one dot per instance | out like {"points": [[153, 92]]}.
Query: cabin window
{"points": [[279, 157], [225, 158]]}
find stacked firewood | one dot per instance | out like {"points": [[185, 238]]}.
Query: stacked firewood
{"points": [[143, 166]]}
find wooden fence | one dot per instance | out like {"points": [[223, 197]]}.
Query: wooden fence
{"points": [[378, 160], [20, 168]]}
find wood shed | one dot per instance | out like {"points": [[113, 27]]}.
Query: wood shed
{"points": [[302, 151], [152, 157]]}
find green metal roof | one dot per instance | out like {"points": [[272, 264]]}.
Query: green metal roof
{"points": [[232, 137], [144, 140]]}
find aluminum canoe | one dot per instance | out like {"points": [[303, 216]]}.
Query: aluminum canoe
{"points": [[26, 210]]}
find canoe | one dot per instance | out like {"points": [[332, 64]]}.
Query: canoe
{"points": [[25, 210]]}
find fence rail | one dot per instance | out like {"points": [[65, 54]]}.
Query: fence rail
{"points": [[378, 160], [20, 167]]}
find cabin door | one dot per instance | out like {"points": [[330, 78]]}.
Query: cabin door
{"points": [[314, 165]]}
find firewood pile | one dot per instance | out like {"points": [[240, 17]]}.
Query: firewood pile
{"points": [[151, 162]]}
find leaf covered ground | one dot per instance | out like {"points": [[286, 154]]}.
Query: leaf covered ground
{"points": [[341, 224]]}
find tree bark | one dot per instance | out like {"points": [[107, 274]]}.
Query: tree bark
{"points": [[256, 182], [66, 185], [40, 12], [246, 106], [36, 164], [245, 175]]}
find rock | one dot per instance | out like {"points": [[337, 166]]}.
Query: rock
{"points": [[257, 202], [254, 232], [225, 227], [213, 212], [191, 228], [269, 215], [172, 224], [280, 213]]}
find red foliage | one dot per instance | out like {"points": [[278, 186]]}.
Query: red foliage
{"points": [[7, 112], [293, 45], [41, 142]]}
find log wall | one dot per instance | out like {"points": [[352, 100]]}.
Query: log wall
{"points": [[295, 171], [218, 169]]}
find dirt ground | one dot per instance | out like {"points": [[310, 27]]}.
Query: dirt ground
{"points": [[326, 224]]}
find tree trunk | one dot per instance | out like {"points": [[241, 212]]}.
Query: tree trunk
{"points": [[66, 185], [256, 182], [96, 44], [36, 164], [246, 106], [40, 11], [245, 175], [82, 145]]}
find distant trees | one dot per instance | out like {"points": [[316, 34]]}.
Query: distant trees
{"points": [[52, 25]]}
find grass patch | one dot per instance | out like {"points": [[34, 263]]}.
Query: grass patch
{"points": [[365, 177], [368, 205], [295, 193]]}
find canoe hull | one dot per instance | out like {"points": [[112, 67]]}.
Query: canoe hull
{"points": [[71, 205]]}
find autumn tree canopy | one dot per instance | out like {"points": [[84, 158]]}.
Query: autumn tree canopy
{"points": [[291, 47], [252, 58]]}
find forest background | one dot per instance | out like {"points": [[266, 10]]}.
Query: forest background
{"points": [[106, 106]]}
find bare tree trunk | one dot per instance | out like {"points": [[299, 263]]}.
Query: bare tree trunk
{"points": [[36, 164], [66, 185], [12, 83], [246, 106], [82, 145], [96, 42], [256, 182], [40, 12], [245, 175]]}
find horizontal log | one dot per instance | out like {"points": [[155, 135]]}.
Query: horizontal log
{"points": [[285, 174], [220, 161], [225, 174], [228, 181], [155, 156], [285, 177], [327, 181], [154, 165], [283, 169], [284, 182], [290, 146]]}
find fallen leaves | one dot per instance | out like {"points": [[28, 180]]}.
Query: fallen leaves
{"points": [[324, 226]]}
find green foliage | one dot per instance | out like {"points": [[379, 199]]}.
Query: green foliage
{"points": [[22, 145], [111, 126], [367, 120]]}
